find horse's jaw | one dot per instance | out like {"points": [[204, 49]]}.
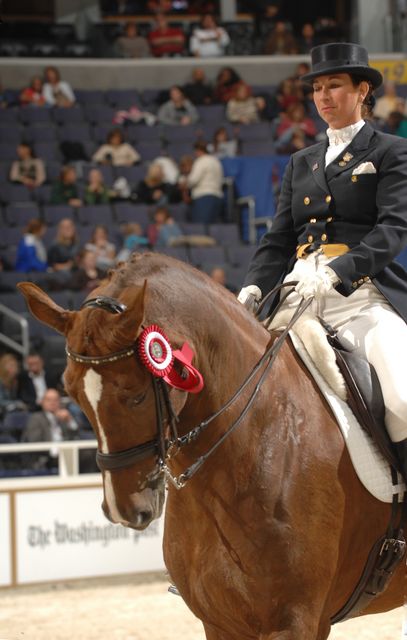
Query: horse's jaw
{"points": [[138, 510]]}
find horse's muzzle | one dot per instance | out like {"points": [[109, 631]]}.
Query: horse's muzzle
{"points": [[137, 510]]}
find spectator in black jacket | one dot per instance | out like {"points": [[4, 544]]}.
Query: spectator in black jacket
{"points": [[198, 91], [33, 381]]}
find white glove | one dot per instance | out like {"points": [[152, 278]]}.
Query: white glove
{"points": [[250, 296], [318, 283]]}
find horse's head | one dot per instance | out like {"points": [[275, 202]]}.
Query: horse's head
{"points": [[130, 408], [118, 394]]}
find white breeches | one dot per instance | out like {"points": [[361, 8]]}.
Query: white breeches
{"points": [[367, 324]]}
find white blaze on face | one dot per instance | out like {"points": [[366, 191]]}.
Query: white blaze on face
{"points": [[93, 387]]}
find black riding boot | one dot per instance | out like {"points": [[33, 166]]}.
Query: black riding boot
{"points": [[401, 450]]}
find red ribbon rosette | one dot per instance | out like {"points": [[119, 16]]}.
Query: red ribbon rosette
{"points": [[155, 351], [157, 356]]}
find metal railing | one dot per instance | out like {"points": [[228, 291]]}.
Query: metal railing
{"points": [[23, 347], [253, 221], [66, 452]]}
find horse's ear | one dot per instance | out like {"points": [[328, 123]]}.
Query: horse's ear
{"points": [[45, 309], [129, 323]]}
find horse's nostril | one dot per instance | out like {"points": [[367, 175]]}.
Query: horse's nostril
{"points": [[144, 518]]}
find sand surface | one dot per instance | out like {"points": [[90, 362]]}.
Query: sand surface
{"points": [[132, 608]]}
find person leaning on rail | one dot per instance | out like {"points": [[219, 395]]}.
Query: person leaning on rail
{"points": [[340, 223]]}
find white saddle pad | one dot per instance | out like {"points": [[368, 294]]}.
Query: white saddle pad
{"points": [[372, 469]]}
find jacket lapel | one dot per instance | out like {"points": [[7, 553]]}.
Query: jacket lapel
{"points": [[316, 162], [353, 154]]}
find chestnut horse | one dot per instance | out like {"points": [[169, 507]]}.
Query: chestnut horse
{"points": [[269, 537]]}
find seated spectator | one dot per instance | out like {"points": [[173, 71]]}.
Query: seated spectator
{"points": [[392, 123], [154, 190], [31, 252], [218, 274], [288, 92], [303, 89], [295, 117], [198, 91], [307, 39], [280, 41], [33, 381], [208, 40], [206, 184], [53, 423], [116, 151], [9, 370], [65, 248], [131, 44], [133, 239], [96, 191], [223, 146], [178, 110], [65, 190], [388, 102], [32, 95], [165, 40], [103, 249], [87, 276], [227, 82], [57, 92], [243, 108], [295, 130], [163, 228], [27, 170]]}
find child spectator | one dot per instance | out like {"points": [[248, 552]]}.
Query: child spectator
{"points": [[32, 95], [131, 44], [116, 151], [65, 190], [65, 248], [295, 130], [153, 190], [87, 276], [57, 92], [165, 40], [163, 229], [223, 146], [27, 170], [96, 191], [133, 239], [243, 108], [288, 92], [178, 110], [104, 250], [31, 252], [209, 40]]}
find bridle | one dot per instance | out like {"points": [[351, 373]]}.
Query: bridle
{"points": [[163, 447]]}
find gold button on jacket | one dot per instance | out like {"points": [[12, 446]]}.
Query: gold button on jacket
{"points": [[307, 200]]}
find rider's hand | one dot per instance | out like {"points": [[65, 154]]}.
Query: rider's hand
{"points": [[250, 297], [317, 284]]}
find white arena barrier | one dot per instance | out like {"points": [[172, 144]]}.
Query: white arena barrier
{"points": [[52, 527]]}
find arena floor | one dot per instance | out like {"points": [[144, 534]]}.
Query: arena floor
{"points": [[131, 608]]}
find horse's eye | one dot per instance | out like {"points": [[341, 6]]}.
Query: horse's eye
{"points": [[139, 398]]}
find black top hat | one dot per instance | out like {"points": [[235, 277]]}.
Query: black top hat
{"points": [[342, 57]]}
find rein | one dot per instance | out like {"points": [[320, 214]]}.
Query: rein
{"points": [[162, 446]]}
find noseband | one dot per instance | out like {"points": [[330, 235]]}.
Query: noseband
{"points": [[162, 447]]}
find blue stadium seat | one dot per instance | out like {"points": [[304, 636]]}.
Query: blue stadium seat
{"points": [[31, 115], [92, 214], [15, 193], [53, 170], [11, 133], [194, 228], [255, 131], [42, 132], [62, 115], [149, 149], [132, 174], [54, 213], [90, 96], [225, 234], [149, 96], [240, 255], [123, 98], [15, 423], [48, 151], [42, 194], [181, 253], [136, 132], [11, 278], [14, 301], [97, 113], [177, 149], [257, 148], [101, 131], [75, 132], [187, 133], [8, 152], [11, 114], [19, 214], [206, 255], [128, 212], [212, 113]]}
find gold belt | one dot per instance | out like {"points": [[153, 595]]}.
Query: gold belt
{"points": [[329, 250]]}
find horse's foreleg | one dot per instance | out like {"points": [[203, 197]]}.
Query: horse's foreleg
{"points": [[298, 631]]}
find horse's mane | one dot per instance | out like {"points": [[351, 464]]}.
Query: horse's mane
{"points": [[177, 294]]}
